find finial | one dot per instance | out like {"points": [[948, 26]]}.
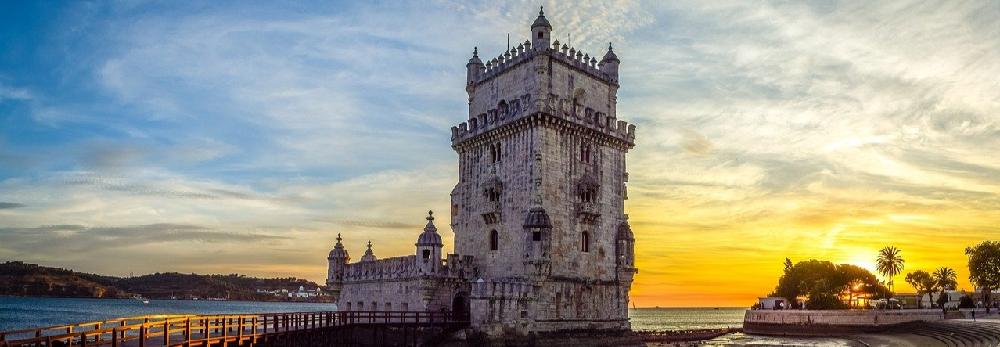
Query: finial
{"points": [[369, 244], [338, 238], [541, 11], [609, 47], [475, 52], [430, 215]]}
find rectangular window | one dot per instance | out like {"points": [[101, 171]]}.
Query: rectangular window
{"points": [[536, 236]]}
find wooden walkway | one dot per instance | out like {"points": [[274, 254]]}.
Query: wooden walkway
{"points": [[221, 330]]}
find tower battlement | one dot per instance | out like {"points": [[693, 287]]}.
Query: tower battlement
{"points": [[564, 54]]}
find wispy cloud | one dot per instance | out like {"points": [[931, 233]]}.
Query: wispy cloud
{"points": [[9, 205]]}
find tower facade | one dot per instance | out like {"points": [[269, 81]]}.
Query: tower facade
{"points": [[542, 185], [542, 242]]}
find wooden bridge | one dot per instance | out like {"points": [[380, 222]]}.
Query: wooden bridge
{"points": [[356, 328]]}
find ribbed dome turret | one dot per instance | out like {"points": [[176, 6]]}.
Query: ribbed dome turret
{"points": [[338, 251], [475, 57], [541, 21], [429, 237], [610, 56], [369, 255], [537, 218]]}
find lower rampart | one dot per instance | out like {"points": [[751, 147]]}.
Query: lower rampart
{"points": [[831, 322]]}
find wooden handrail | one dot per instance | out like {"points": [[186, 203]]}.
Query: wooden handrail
{"points": [[212, 328]]}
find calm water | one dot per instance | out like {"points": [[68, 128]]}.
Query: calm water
{"points": [[22, 313]]}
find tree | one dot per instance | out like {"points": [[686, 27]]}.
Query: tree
{"points": [[924, 284], [984, 268], [945, 278], [889, 264], [821, 282]]}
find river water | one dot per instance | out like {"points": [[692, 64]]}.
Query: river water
{"points": [[22, 313]]}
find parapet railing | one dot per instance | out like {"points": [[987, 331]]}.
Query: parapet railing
{"points": [[205, 330]]}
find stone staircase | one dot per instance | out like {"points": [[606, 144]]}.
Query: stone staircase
{"points": [[955, 333]]}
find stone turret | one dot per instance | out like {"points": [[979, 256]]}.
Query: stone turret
{"points": [[369, 255], [337, 261], [473, 70], [429, 247], [609, 64], [625, 246], [541, 31]]}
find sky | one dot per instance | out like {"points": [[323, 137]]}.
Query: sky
{"points": [[241, 137]]}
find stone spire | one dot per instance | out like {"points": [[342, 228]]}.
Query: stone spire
{"points": [[338, 252], [609, 64], [429, 237], [541, 31], [541, 21], [369, 255]]}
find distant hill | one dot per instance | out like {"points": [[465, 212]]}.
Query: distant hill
{"points": [[21, 279]]}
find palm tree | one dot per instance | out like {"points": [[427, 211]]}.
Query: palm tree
{"points": [[889, 264], [946, 278]]}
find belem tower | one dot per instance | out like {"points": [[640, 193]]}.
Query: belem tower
{"points": [[542, 242]]}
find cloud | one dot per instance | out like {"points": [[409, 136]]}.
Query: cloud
{"points": [[54, 239], [10, 205], [695, 143]]}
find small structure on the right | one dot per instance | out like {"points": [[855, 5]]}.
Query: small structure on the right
{"points": [[540, 202]]}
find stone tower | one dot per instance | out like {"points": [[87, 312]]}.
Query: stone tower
{"points": [[542, 184]]}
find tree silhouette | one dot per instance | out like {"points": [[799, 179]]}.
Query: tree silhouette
{"points": [[984, 268], [889, 264], [924, 284], [945, 278]]}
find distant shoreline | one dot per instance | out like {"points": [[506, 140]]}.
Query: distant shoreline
{"points": [[161, 299]]}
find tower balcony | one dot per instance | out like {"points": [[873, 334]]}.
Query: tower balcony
{"points": [[490, 212], [588, 211]]}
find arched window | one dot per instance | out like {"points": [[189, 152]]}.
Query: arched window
{"points": [[427, 254], [585, 242], [541, 34], [494, 240]]}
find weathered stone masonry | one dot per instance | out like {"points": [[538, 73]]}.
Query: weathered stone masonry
{"points": [[542, 242]]}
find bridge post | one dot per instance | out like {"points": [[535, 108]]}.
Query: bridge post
{"points": [[187, 332], [114, 337], [142, 335], [166, 332]]}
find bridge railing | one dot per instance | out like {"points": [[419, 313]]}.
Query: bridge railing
{"points": [[181, 330]]}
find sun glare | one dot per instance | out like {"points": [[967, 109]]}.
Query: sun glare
{"points": [[865, 261]]}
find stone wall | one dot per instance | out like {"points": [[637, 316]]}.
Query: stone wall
{"points": [[830, 322]]}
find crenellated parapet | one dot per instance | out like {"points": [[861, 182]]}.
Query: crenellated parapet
{"points": [[524, 53], [382, 269], [407, 267]]}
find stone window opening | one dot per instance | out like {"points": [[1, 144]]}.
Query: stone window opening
{"points": [[541, 34], [493, 195], [495, 152], [536, 236], [388, 306], [587, 196], [427, 255], [584, 153], [494, 240], [361, 305], [585, 242]]}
